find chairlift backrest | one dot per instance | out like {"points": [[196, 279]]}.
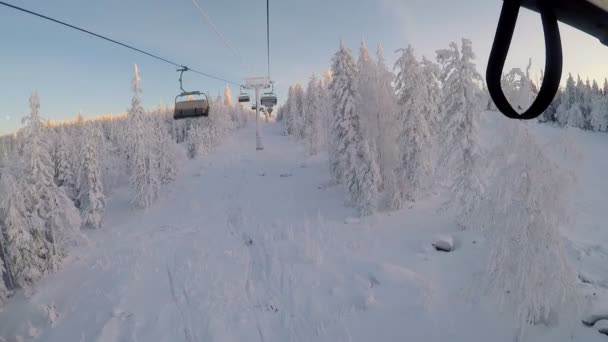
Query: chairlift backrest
{"points": [[244, 98], [190, 108], [268, 100]]}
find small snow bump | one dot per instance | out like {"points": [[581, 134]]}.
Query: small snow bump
{"points": [[443, 243]]}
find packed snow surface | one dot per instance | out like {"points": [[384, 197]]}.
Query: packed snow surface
{"points": [[238, 251]]}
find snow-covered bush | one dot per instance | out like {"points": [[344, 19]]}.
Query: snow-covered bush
{"points": [[523, 210]]}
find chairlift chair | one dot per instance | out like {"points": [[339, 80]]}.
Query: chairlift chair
{"points": [[243, 96], [269, 99], [190, 108]]}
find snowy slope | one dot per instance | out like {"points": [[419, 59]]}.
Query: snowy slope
{"points": [[255, 246]]}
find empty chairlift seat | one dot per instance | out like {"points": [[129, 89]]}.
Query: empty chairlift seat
{"points": [[243, 96], [268, 100], [191, 108]]}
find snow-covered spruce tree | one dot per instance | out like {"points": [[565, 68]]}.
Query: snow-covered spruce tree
{"points": [[91, 197], [366, 94], [64, 170], [352, 162], [599, 113], [227, 97], [568, 101], [165, 150], [54, 220], [289, 120], [519, 89], [199, 138], [325, 116], [385, 116], [523, 212], [343, 97], [431, 74], [143, 165], [462, 111], [414, 139], [312, 124], [3, 290], [25, 254], [298, 111]]}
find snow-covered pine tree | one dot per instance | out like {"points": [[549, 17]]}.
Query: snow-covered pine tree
{"points": [[64, 170], [431, 74], [595, 88], [3, 290], [165, 150], [324, 115], [227, 97], [144, 173], [599, 113], [312, 124], [568, 101], [91, 197], [385, 116], [199, 138], [54, 219], [414, 139], [298, 111], [352, 161], [519, 89], [462, 111], [25, 254], [343, 96], [576, 114], [524, 210], [366, 99], [289, 115]]}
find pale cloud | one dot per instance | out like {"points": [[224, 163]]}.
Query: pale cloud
{"points": [[8, 118]]}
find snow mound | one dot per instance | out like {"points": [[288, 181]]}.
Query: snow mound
{"points": [[443, 243]]}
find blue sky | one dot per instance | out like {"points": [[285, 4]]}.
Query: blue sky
{"points": [[73, 72]]}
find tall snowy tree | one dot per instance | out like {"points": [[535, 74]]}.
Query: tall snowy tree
{"points": [[462, 111], [3, 290], [599, 113], [524, 210], [289, 115], [55, 220], [343, 94], [312, 124], [298, 111], [366, 99], [165, 151], [568, 102], [351, 160], [227, 97], [414, 139], [144, 178], [64, 170], [431, 74], [25, 253], [91, 197], [384, 116]]}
